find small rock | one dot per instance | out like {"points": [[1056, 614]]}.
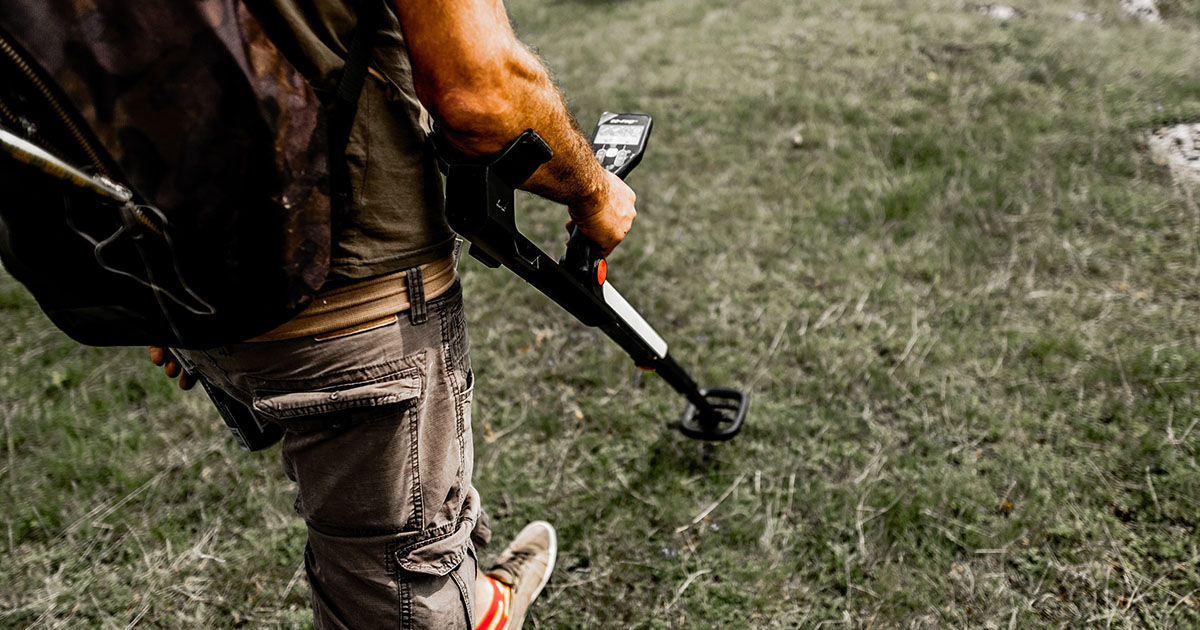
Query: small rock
{"points": [[1178, 148], [1000, 12], [1144, 10], [797, 135]]}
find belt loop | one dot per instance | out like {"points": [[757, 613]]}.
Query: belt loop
{"points": [[417, 313]]}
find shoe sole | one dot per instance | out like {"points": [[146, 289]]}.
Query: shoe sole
{"points": [[550, 562]]}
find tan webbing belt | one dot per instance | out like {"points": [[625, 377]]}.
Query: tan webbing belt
{"points": [[363, 306]]}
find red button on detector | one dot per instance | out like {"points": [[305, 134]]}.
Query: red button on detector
{"points": [[601, 271]]}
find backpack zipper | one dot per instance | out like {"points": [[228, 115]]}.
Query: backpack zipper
{"points": [[36, 81], [129, 210], [7, 114]]}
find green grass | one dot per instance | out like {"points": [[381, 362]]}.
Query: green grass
{"points": [[966, 306]]}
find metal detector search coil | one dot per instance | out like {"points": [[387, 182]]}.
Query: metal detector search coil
{"points": [[480, 207]]}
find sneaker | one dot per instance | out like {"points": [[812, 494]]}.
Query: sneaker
{"points": [[525, 567]]}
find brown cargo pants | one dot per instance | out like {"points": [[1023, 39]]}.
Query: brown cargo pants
{"points": [[378, 441]]}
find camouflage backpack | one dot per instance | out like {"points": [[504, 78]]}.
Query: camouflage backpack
{"points": [[165, 174]]}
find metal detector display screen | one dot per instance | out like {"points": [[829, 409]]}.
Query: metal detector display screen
{"points": [[619, 134]]}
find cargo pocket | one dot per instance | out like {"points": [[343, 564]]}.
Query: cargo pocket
{"points": [[439, 601], [435, 575], [349, 401]]}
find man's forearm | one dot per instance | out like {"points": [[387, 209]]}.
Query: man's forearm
{"points": [[577, 175], [484, 88], [532, 101]]}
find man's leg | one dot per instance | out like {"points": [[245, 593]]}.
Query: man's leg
{"points": [[379, 442]]}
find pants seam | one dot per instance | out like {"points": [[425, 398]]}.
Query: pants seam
{"points": [[418, 515], [466, 599], [452, 376], [404, 592]]}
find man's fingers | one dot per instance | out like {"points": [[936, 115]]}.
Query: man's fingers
{"points": [[606, 219], [162, 357]]}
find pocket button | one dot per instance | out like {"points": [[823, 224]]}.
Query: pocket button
{"points": [[334, 395]]}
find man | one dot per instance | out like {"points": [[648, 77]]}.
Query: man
{"points": [[376, 405]]}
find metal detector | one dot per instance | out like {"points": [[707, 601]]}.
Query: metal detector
{"points": [[480, 206]]}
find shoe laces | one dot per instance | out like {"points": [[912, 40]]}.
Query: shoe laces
{"points": [[517, 560]]}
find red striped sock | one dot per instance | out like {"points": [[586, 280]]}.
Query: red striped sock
{"points": [[496, 617]]}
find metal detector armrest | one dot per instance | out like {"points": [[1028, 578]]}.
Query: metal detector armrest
{"points": [[480, 207]]}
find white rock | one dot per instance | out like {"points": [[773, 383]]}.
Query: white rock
{"points": [[998, 11], [1144, 10], [1178, 148], [1081, 16]]}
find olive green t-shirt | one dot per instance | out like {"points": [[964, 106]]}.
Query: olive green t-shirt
{"points": [[397, 219]]}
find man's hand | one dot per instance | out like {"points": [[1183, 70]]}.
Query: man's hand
{"points": [[170, 365], [606, 218]]}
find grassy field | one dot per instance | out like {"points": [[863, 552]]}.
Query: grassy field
{"points": [[929, 242]]}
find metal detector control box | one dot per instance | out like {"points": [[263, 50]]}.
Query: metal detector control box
{"points": [[620, 141], [480, 206]]}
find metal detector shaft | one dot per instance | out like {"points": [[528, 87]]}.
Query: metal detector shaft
{"points": [[480, 207]]}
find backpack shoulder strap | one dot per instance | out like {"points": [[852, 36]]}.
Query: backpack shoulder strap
{"points": [[344, 107], [358, 58]]}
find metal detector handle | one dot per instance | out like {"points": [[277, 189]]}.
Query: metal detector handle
{"points": [[581, 258], [480, 206]]}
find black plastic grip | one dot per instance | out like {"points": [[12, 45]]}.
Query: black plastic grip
{"points": [[581, 259]]}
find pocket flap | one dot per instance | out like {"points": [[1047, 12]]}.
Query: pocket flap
{"points": [[438, 551], [310, 403]]}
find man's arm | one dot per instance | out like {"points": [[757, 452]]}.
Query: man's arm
{"points": [[484, 87]]}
